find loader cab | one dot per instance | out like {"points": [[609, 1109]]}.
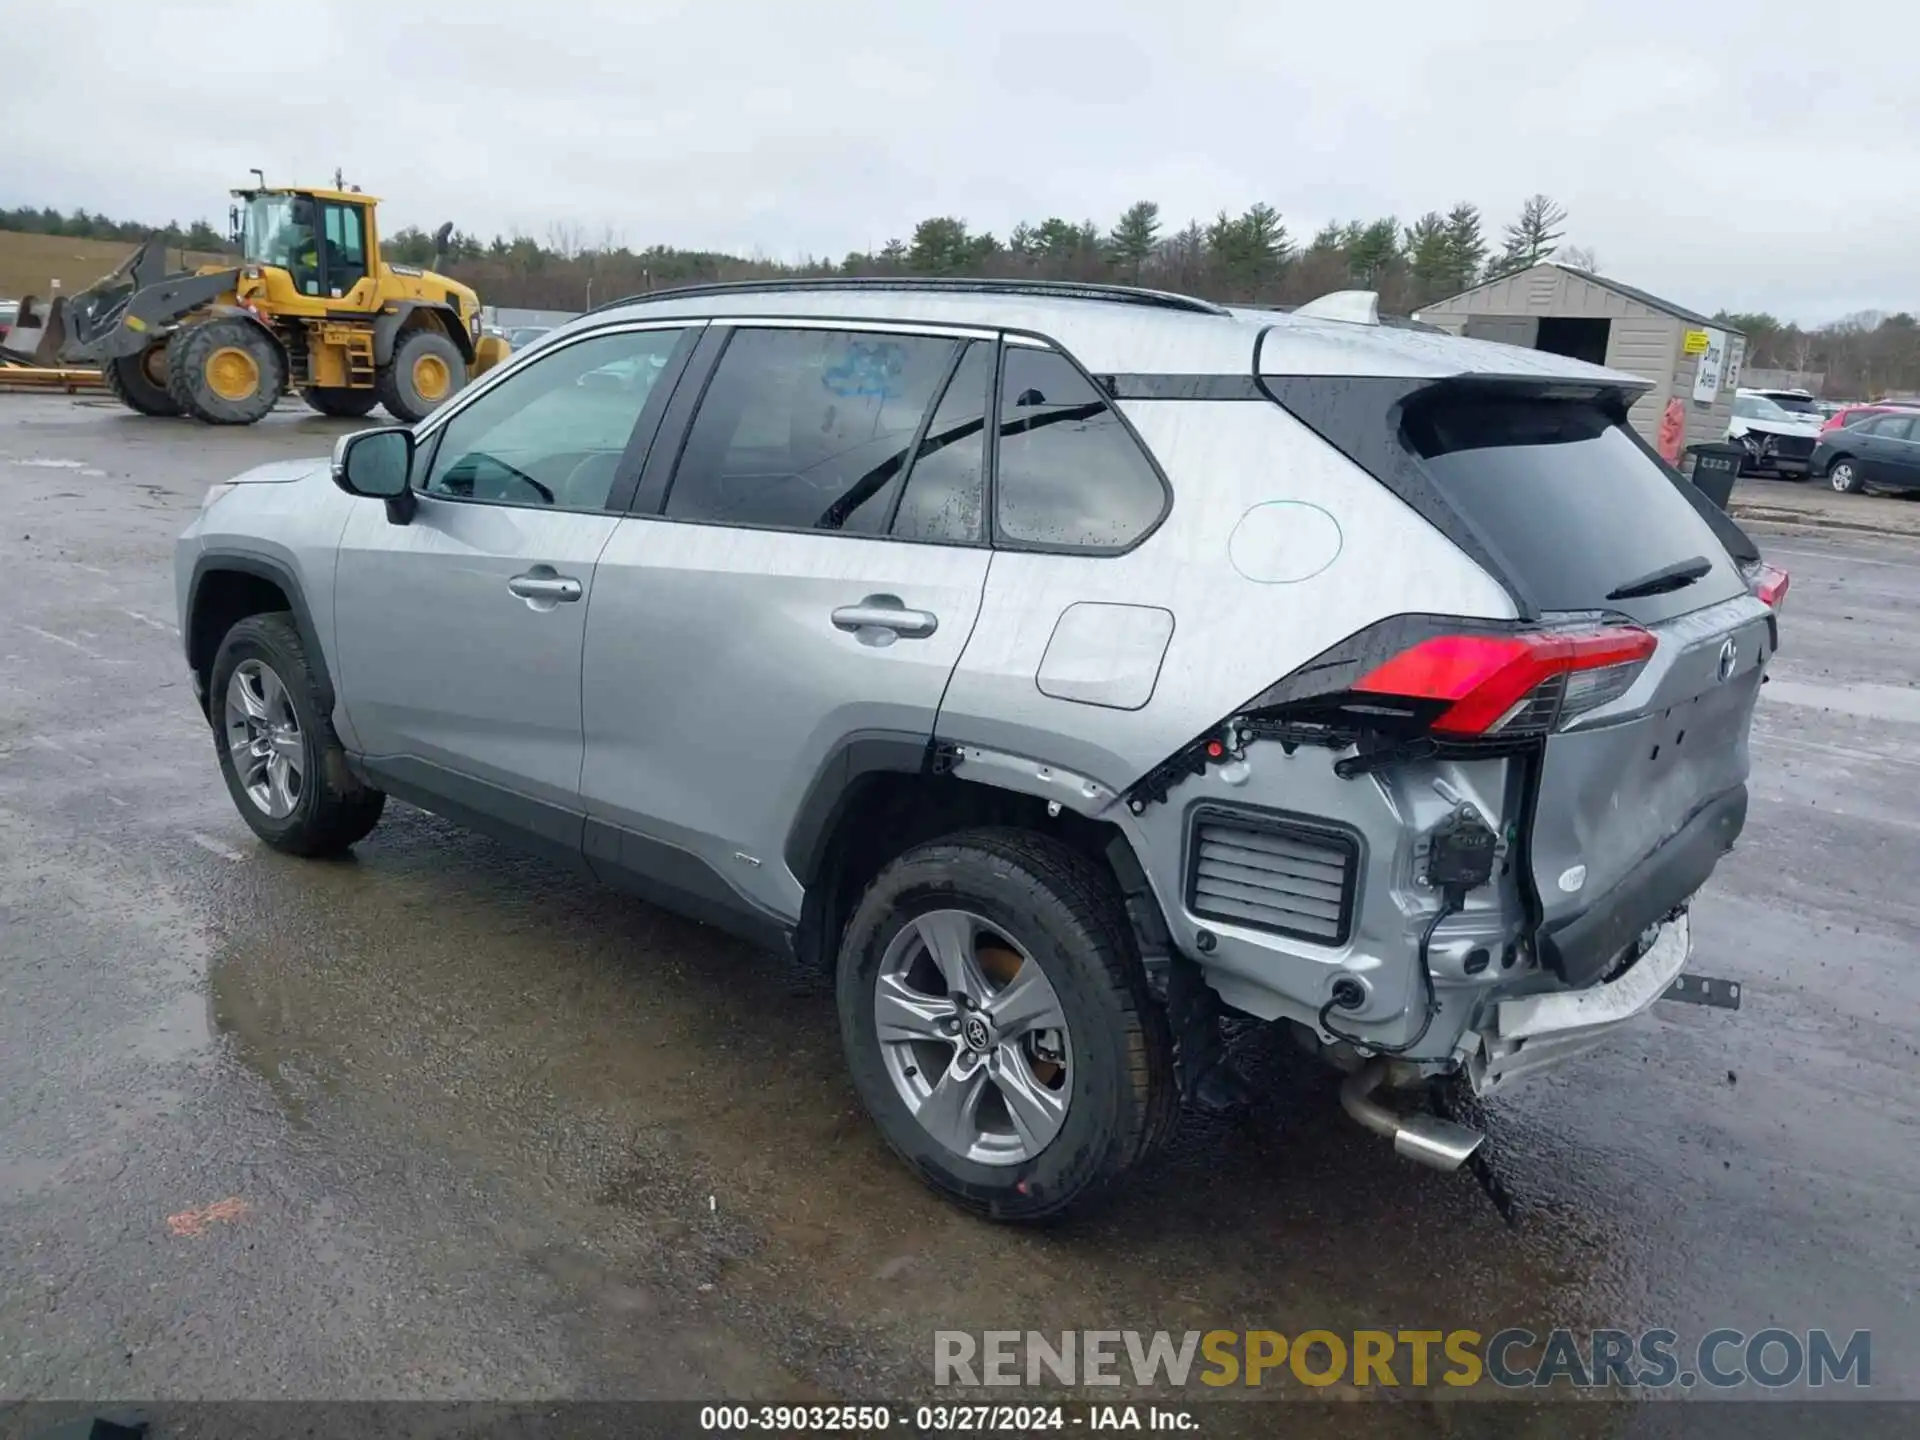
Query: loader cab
{"points": [[322, 240]]}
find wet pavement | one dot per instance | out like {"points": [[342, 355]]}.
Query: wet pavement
{"points": [[437, 1121]]}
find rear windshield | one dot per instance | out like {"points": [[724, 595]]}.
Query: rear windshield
{"points": [[1570, 502], [1798, 404]]}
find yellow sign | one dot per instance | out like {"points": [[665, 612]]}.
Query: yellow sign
{"points": [[1695, 343]]}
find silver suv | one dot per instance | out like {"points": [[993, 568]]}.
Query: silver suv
{"points": [[1300, 667]]}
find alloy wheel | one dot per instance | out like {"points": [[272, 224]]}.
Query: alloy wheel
{"points": [[974, 1038], [264, 740]]}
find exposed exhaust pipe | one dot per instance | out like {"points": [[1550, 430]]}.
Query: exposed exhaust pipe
{"points": [[1438, 1143]]}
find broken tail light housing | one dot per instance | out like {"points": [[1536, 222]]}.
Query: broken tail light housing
{"points": [[1518, 683], [1769, 582]]}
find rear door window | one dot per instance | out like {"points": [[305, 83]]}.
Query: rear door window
{"points": [[1575, 509], [942, 500], [807, 429]]}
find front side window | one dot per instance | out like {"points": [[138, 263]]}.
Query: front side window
{"points": [[1070, 476], [1894, 427], [808, 429], [553, 433], [268, 234]]}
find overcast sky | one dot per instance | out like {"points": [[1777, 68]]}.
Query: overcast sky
{"points": [[1752, 154]]}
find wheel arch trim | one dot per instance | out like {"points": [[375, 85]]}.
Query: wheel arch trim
{"points": [[387, 328], [283, 577]]}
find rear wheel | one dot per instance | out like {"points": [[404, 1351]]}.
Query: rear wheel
{"points": [[426, 370], [998, 1027], [139, 382], [1844, 477], [225, 372], [344, 404]]}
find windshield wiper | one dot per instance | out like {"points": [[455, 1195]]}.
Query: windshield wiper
{"points": [[1676, 576]]}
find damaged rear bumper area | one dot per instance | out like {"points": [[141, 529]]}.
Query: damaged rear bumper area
{"points": [[1536, 1032]]}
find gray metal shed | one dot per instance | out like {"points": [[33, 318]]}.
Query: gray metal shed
{"points": [[1684, 354]]}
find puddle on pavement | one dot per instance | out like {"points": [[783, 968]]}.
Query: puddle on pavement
{"points": [[687, 1096]]}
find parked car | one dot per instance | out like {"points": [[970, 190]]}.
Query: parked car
{"points": [[9, 312], [1880, 452], [1058, 667], [1778, 429], [521, 336], [1846, 415]]}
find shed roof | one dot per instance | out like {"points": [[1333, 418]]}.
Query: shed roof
{"points": [[1652, 302], [1607, 282]]}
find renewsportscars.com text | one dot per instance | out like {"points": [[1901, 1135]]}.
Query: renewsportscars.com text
{"points": [[1650, 1359]]}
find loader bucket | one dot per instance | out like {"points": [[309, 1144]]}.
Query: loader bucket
{"points": [[38, 335], [95, 312]]}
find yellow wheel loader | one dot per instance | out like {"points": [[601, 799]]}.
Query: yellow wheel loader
{"points": [[311, 307]]}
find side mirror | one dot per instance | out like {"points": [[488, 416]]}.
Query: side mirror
{"points": [[378, 465]]}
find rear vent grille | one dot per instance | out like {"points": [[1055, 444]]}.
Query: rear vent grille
{"points": [[1274, 874]]}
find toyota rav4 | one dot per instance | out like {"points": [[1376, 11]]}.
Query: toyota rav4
{"points": [[1062, 668]]}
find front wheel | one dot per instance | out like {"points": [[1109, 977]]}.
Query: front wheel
{"points": [[225, 372], [1844, 477], [282, 761], [997, 1024]]}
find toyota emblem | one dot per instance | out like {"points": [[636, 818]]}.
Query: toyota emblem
{"points": [[1729, 656]]}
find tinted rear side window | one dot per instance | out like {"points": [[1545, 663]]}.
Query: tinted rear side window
{"points": [[1071, 476], [1795, 404], [1573, 506], [808, 429]]}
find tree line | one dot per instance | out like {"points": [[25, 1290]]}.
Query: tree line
{"points": [[80, 225], [1864, 356], [1247, 258]]}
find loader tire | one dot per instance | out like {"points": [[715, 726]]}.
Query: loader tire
{"points": [[225, 372], [338, 402], [425, 372], [139, 382]]}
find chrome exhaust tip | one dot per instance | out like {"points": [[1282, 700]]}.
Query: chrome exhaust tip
{"points": [[1427, 1139]]}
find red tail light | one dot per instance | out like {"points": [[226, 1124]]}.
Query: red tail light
{"points": [[1770, 583], [1502, 684]]}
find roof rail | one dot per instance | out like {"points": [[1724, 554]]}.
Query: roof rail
{"points": [[942, 284], [1355, 307]]}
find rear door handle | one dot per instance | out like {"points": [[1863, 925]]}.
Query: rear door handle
{"points": [[541, 583], [885, 612]]}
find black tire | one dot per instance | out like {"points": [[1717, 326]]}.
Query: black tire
{"points": [[1843, 475], [193, 350], [342, 404], [399, 390], [131, 382], [333, 810], [1068, 914]]}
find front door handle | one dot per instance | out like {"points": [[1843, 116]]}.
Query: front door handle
{"points": [[886, 613], [542, 584]]}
